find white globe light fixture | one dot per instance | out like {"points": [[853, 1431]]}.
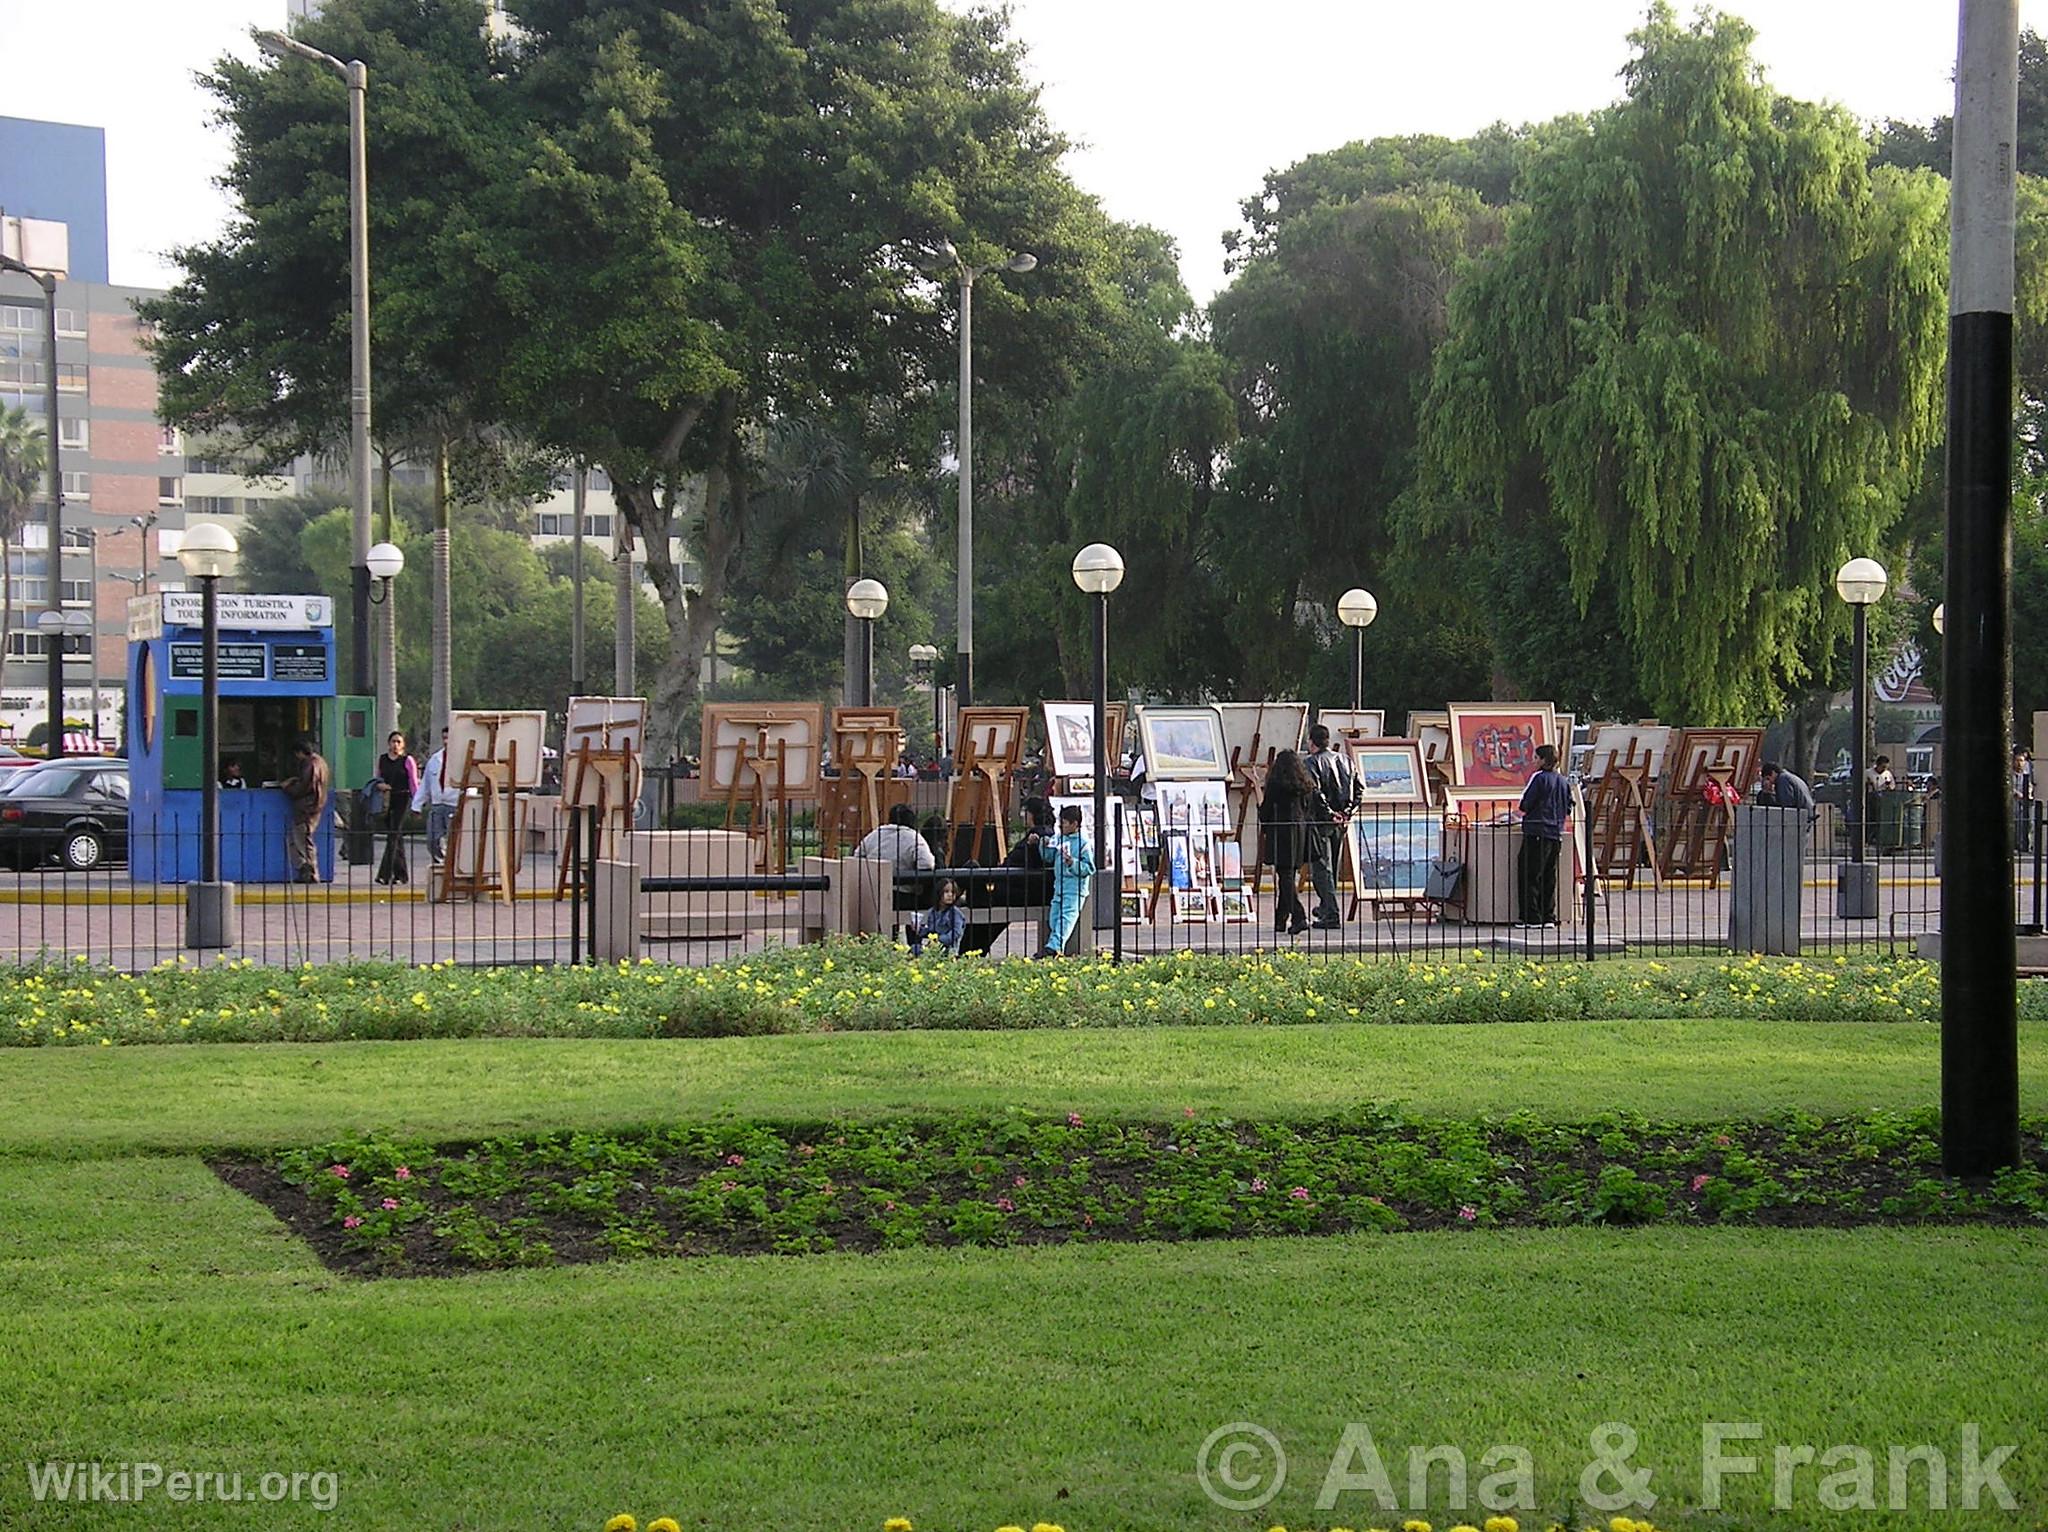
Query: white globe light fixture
{"points": [[1940, 614], [1098, 569], [207, 550], [386, 561], [1861, 582], [867, 599], [1356, 608]]}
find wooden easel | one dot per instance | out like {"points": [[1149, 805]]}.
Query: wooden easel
{"points": [[1248, 781], [760, 779], [991, 743], [1624, 825], [1699, 834], [601, 770], [494, 781], [866, 745]]}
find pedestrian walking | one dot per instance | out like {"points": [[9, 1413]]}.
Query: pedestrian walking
{"points": [[436, 797], [399, 776], [307, 792], [1287, 805]]}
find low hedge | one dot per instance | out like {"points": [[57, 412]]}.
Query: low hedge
{"points": [[872, 986]]}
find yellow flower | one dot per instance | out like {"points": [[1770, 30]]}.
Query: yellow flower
{"points": [[1414, 1526], [663, 1523], [998, 1529], [1497, 1524], [896, 1524], [1047, 1526], [622, 1523]]}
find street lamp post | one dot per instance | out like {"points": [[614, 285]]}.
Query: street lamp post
{"points": [[357, 77], [926, 658], [948, 256], [867, 600], [54, 672], [1098, 570], [1356, 609], [207, 551], [1861, 583], [386, 562]]}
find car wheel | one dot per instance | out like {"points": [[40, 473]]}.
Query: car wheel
{"points": [[83, 850]]}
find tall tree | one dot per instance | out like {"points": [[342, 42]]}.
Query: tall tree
{"points": [[24, 460], [1707, 364]]}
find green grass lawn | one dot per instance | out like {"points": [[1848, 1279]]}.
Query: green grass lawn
{"points": [[247, 1095], [152, 1314]]}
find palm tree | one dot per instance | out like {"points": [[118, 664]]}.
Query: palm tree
{"points": [[24, 458]]}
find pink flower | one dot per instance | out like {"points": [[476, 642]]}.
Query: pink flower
{"points": [[1299, 1194], [1073, 1119], [390, 1204], [735, 1159], [1087, 1220], [338, 1170], [1699, 1181], [404, 1172], [1187, 1111], [888, 1207], [1258, 1183], [1723, 1140], [1020, 1181], [351, 1222], [1468, 1212], [1006, 1205], [728, 1186]]}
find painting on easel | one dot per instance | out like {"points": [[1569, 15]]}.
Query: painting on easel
{"points": [[1070, 737], [866, 744], [493, 758], [762, 755], [990, 746], [602, 743]]}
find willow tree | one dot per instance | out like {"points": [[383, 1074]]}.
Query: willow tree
{"points": [[1705, 367]]}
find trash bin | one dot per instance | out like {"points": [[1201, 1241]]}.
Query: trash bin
{"points": [[1901, 821]]}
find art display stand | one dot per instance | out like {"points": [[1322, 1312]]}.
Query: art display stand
{"points": [[483, 839], [1709, 771], [1624, 825], [762, 756], [866, 745], [602, 744], [1219, 889], [991, 743]]}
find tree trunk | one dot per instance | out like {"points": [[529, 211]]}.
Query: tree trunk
{"points": [[443, 689]]}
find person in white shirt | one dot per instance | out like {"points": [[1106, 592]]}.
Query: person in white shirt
{"points": [[436, 797], [898, 842]]}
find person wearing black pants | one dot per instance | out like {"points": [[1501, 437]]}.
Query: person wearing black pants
{"points": [[1287, 810], [400, 774], [1338, 786], [1545, 803]]}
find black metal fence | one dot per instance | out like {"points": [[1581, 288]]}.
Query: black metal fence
{"points": [[1399, 881]]}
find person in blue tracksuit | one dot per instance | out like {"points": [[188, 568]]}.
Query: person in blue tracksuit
{"points": [[1073, 866]]}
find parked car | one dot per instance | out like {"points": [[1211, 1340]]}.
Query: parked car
{"points": [[72, 812], [12, 759]]}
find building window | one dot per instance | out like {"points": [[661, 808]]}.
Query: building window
{"points": [[168, 442], [75, 592], [14, 316], [212, 505], [597, 526], [20, 372], [71, 377], [170, 490], [33, 646], [75, 538], [211, 465], [77, 486], [74, 432], [600, 481], [32, 590], [70, 322]]}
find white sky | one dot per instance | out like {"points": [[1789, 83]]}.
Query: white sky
{"points": [[1180, 106]]}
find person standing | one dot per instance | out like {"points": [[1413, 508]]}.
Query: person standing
{"points": [[307, 791], [1338, 786], [1782, 789], [2022, 801], [436, 798], [1545, 803], [1072, 861], [1288, 805], [399, 775]]}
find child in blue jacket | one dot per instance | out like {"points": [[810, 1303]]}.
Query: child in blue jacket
{"points": [[1073, 868]]}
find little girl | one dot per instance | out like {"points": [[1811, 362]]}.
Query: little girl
{"points": [[945, 924], [1072, 861]]}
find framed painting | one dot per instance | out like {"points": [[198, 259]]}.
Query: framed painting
{"points": [[1738, 752], [1254, 731], [1485, 805], [1620, 744], [1070, 737], [1432, 731], [1493, 744], [1183, 744], [1392, 849], [1389, 770]]}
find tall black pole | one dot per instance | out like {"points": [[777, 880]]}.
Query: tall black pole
{"points": [[964, 642], [1102, 842], [209, 729], [1979, 987], [938, 717], [1357, 669], [1860, 724], [867, 662], [55, 658]]}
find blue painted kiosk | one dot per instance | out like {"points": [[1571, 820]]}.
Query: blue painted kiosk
{"points": [[277, 686]]}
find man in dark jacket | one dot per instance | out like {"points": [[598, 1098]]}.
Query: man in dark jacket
{"points": [[1545, 803], [1783, 789], [1338, 785]]}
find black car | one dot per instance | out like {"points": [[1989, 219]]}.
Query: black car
{"points": [[71, 812]]}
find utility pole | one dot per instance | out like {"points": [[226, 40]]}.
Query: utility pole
{"points": [[1979, 983], [582, 489]]}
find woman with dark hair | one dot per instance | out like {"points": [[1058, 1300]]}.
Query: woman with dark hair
{"points": [[1286, 809]]}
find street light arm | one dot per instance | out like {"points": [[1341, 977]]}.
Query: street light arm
{"points": [[278, 44], [47, 281]]}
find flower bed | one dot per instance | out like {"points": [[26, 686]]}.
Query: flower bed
{"points": [[382, 1206], [872, 986]]}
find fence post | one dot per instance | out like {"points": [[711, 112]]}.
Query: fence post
{"points": [[1591, 890], [576, 890], [592, 846]]}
